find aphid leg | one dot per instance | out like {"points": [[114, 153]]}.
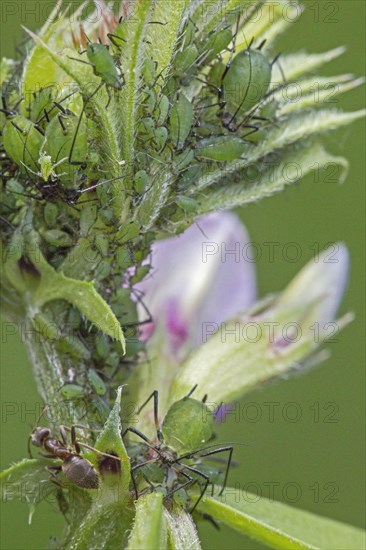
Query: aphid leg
{"points": [[155, 395], [78, 163], [114, 37], [190, 481], [205, 477], [228, 449], [190, 392], [133, 470]]}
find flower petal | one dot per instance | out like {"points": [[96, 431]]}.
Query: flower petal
{"points": [[252, 349], [205, 275]]}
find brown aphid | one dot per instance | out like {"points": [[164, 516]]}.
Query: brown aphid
{"points": [[76, 469]]}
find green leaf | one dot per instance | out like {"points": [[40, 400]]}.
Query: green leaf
{"points": [[293, 129], [278, 525], [26, 481], [132, 58], [110, 441], [253, 348], [170, 12], [315, 90], [149, 529], [82, 294], [154, 199], [40, 70], [290, 170], [22, 480], [295, 65], [108, 521], [88, 82], [182, 532]]}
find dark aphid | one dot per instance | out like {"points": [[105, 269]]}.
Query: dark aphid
{"points": [[183, 436], [76, 469]]}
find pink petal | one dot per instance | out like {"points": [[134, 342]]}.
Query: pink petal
{"points": [[200, 278]]}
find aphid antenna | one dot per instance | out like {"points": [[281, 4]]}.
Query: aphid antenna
{"points": [[102, 453], [246, 91], [157, 23], [25, 148], [251, 115], [47, 112], [261, 45], [81, 191], [7, 222], [190, 393]]}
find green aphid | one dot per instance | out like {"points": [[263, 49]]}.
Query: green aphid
{"points": [[50, 214], [72, 391], [67, 146], [188, 425], [127, 232], [149, 71], [88, 217], [72, 345], [124, 257], [188, 204], [140, 181], [160, 137], [162, 110], [22, 142], [112, 360], [246, 81], [42, 100], [58, 238], [103, 65], [190, 175], [102, 346], [221, 148], [189, 33], [103, 271], [140, 273], [181, 121], [215, 44], [147, 127], [102, 243], [46, 327], [96, 383], [183, 160], [185, 60]]}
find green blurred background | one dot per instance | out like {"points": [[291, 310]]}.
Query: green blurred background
{"points": [[313, 463]]}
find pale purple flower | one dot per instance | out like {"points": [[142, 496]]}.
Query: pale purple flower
{"points": [[200, 278]]}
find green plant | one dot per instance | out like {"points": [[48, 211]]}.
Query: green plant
{"points": [[102, 161]]}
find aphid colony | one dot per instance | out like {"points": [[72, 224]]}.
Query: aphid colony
{"points": [[188, 120], [197, 115], [173, 462]]}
